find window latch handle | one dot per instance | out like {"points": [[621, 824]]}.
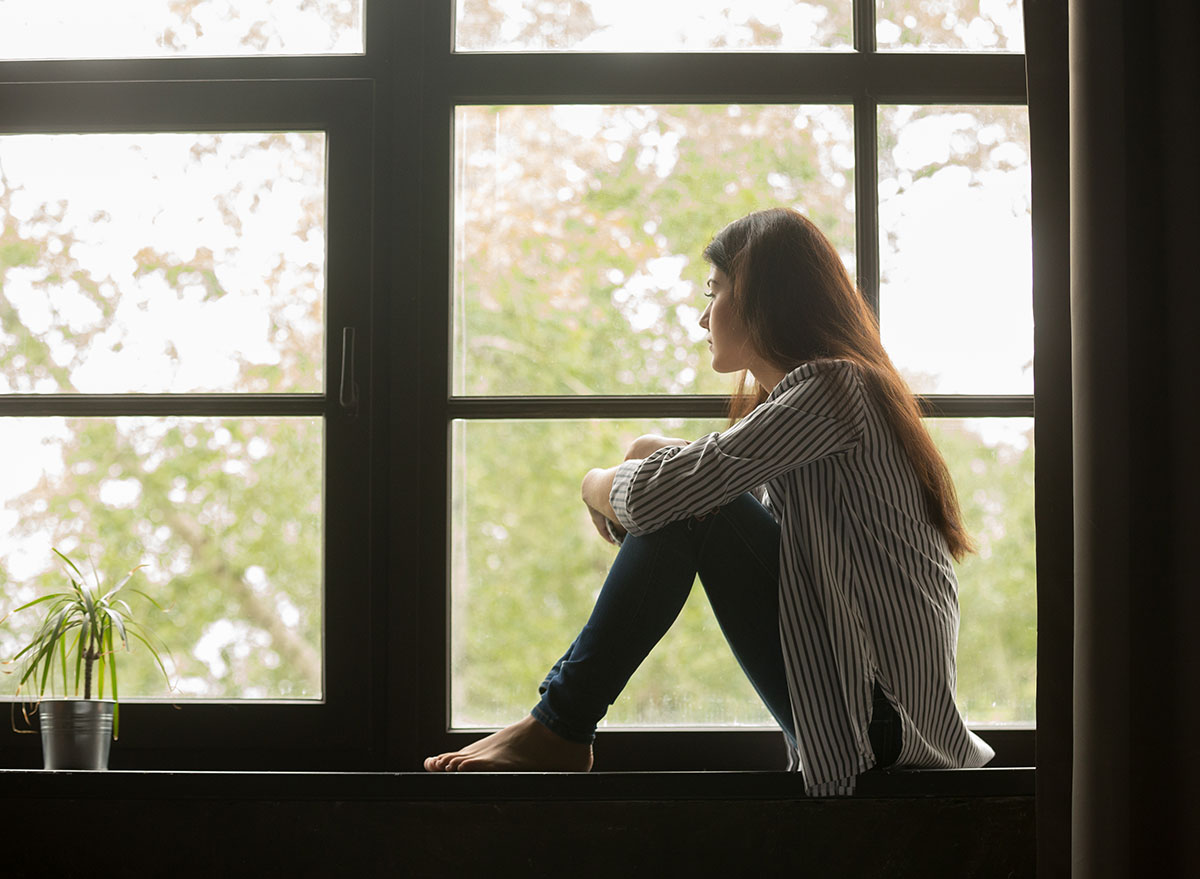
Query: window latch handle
{"points": [[348, 387]]}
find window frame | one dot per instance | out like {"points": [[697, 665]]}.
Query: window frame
{"points": [[387, 705], [205, 733], [865, 79]]}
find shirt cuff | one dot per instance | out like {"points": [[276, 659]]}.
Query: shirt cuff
{"points": [[614, 532], [619, 496]]}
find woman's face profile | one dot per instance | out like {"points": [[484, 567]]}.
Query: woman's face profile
{"points": [[727, 336]]}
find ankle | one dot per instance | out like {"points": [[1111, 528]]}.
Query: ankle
{"points": [[548, 728]]}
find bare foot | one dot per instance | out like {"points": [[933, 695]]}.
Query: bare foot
{"points": [[525, 746]]}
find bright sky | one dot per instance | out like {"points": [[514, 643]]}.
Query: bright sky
{"points": [[40, 29], [33, 29], [635, 25]]}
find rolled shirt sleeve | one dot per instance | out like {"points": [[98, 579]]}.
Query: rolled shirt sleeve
{"points": [[812, 415]]}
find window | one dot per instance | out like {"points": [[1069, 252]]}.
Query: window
{"points": [[485, 217], [594, 151], [182, 268]]}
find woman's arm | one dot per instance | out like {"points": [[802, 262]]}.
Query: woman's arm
{"points": [[647, 444], [597, 484], [817, 415]]}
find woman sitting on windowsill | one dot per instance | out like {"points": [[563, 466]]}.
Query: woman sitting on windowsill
{"points": [[822, 525]]}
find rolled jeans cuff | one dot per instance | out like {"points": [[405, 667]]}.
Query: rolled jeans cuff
{"points": [[543, 714]]}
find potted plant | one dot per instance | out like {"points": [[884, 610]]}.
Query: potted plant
{"points": [[81, 630]]}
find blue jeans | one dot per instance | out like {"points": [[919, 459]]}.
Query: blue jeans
{"points": [[735, 551]]}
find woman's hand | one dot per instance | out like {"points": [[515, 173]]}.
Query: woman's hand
{"points": [[646, 445], [603, 527], [597, 486]]}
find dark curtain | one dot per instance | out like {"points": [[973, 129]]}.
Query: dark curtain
{"points": [[1047, 86], [1136, 397]]}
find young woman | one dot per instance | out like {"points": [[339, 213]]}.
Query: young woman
{"points": [[822, 525]]}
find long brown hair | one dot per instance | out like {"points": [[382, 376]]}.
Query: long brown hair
{"points": [[794, 296]]}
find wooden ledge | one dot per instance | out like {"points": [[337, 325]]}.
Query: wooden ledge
{"points": [[421, 786]]}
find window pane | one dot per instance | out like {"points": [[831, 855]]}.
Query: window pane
{"points": [[514, 609], [632, 26], [47, 29], [579, 232], [162, 262], [225, 513], [963, 25], [956, 300], [991, 461], [516, 606]]}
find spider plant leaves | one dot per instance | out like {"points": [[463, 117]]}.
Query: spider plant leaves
{"points": [[90, 624], [89, 601], [112, 668], [108, 595], [157, 658], [84, 635], [46, 657], [115, 622], [157, 606], [62, 655], [50, 597], [70, 563]]}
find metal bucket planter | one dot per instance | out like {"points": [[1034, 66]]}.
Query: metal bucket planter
{"points": [[76, 733]]}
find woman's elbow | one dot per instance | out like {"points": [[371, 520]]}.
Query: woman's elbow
{"points": [[647, 444]]}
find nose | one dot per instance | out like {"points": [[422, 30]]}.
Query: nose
{"points": [[704, 317]]}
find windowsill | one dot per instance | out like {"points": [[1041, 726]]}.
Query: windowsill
{"points": [[967, 822], [418, 786]]}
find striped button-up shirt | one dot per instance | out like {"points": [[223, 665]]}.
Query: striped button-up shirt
{"points": [[867, 590]]}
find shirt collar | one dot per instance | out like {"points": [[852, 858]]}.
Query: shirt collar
{"points": [[800, 373]]}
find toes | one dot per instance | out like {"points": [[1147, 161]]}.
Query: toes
{"points": [[438, 763]]}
